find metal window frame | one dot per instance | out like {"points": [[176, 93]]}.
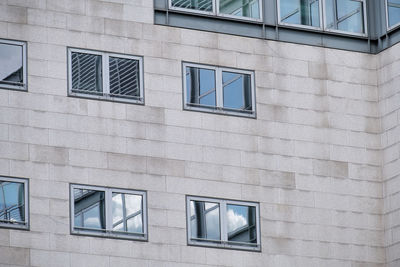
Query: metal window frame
{"points": [[223, 243], [364, 10], [108, 232], [388, 27], [105, 56], [215, 11], [25, 181], [24, 86], [219, 108], [320, 28]]}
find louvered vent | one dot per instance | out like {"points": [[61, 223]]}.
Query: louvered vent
{"points": [[204, 5], [86, 73], [124, 77]]}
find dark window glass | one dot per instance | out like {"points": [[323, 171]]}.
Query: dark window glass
{"points": [[393, 12], [204, 220], [86, 73], [89, 207], [124, 77], [200, 85], [303, 12], [12, 202], [237, 90], [202, 5], [11, 67], [241, 223]]}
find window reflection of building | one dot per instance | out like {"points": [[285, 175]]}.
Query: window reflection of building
{"points": [[127, 213], [223, 223], [108, 212], [241, 224], [393, 13], [345, 15], [89, 209], [205, 220], [302, 12], [12, 202]]}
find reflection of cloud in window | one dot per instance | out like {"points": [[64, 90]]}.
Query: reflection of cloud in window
{"points": [[235, 220], [92, 222], [133, 203]]}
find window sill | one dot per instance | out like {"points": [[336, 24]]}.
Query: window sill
{"points": [[110, 234], [221, 111], [225, 245], [109, 98]]}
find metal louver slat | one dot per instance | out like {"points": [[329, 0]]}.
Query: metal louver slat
{"points": [[124, 77]]}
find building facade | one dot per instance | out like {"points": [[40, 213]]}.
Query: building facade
{"points": [[199, 133]]}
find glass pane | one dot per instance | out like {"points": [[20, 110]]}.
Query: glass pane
{"points": [[200, 85], [348, 16], [124, 77], [204, 220], [117, 207], [12, 202], [237, 90], [127, 212], [86, 73], [133, 204], [202, 5], [393, 12], [135, 224], [241, 223], [11, 67], [243, 8], [303, 12], [89, 204]]}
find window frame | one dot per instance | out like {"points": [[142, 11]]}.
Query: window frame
{"points": [[108, 232], [223, 243], [388, 27], [280, 22], [105, 94], [215, 11], [364, 10], [23, 87], [219, 108], [26, 224]]}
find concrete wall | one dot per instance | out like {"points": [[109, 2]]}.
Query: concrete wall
{"points": [[312, 157], [389, 96]]}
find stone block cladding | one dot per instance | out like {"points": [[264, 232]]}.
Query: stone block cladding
{"points": [[322, 157]]}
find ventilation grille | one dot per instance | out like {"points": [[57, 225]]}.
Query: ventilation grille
{"points": [[124, 77]]}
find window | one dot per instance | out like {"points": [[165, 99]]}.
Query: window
{"points": [[108, 212], [300, 12], [346, 16], [13, 65], [219, 90], [14, 203], [223, 223], [244, 9], [393, 13], [101, 75]]}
